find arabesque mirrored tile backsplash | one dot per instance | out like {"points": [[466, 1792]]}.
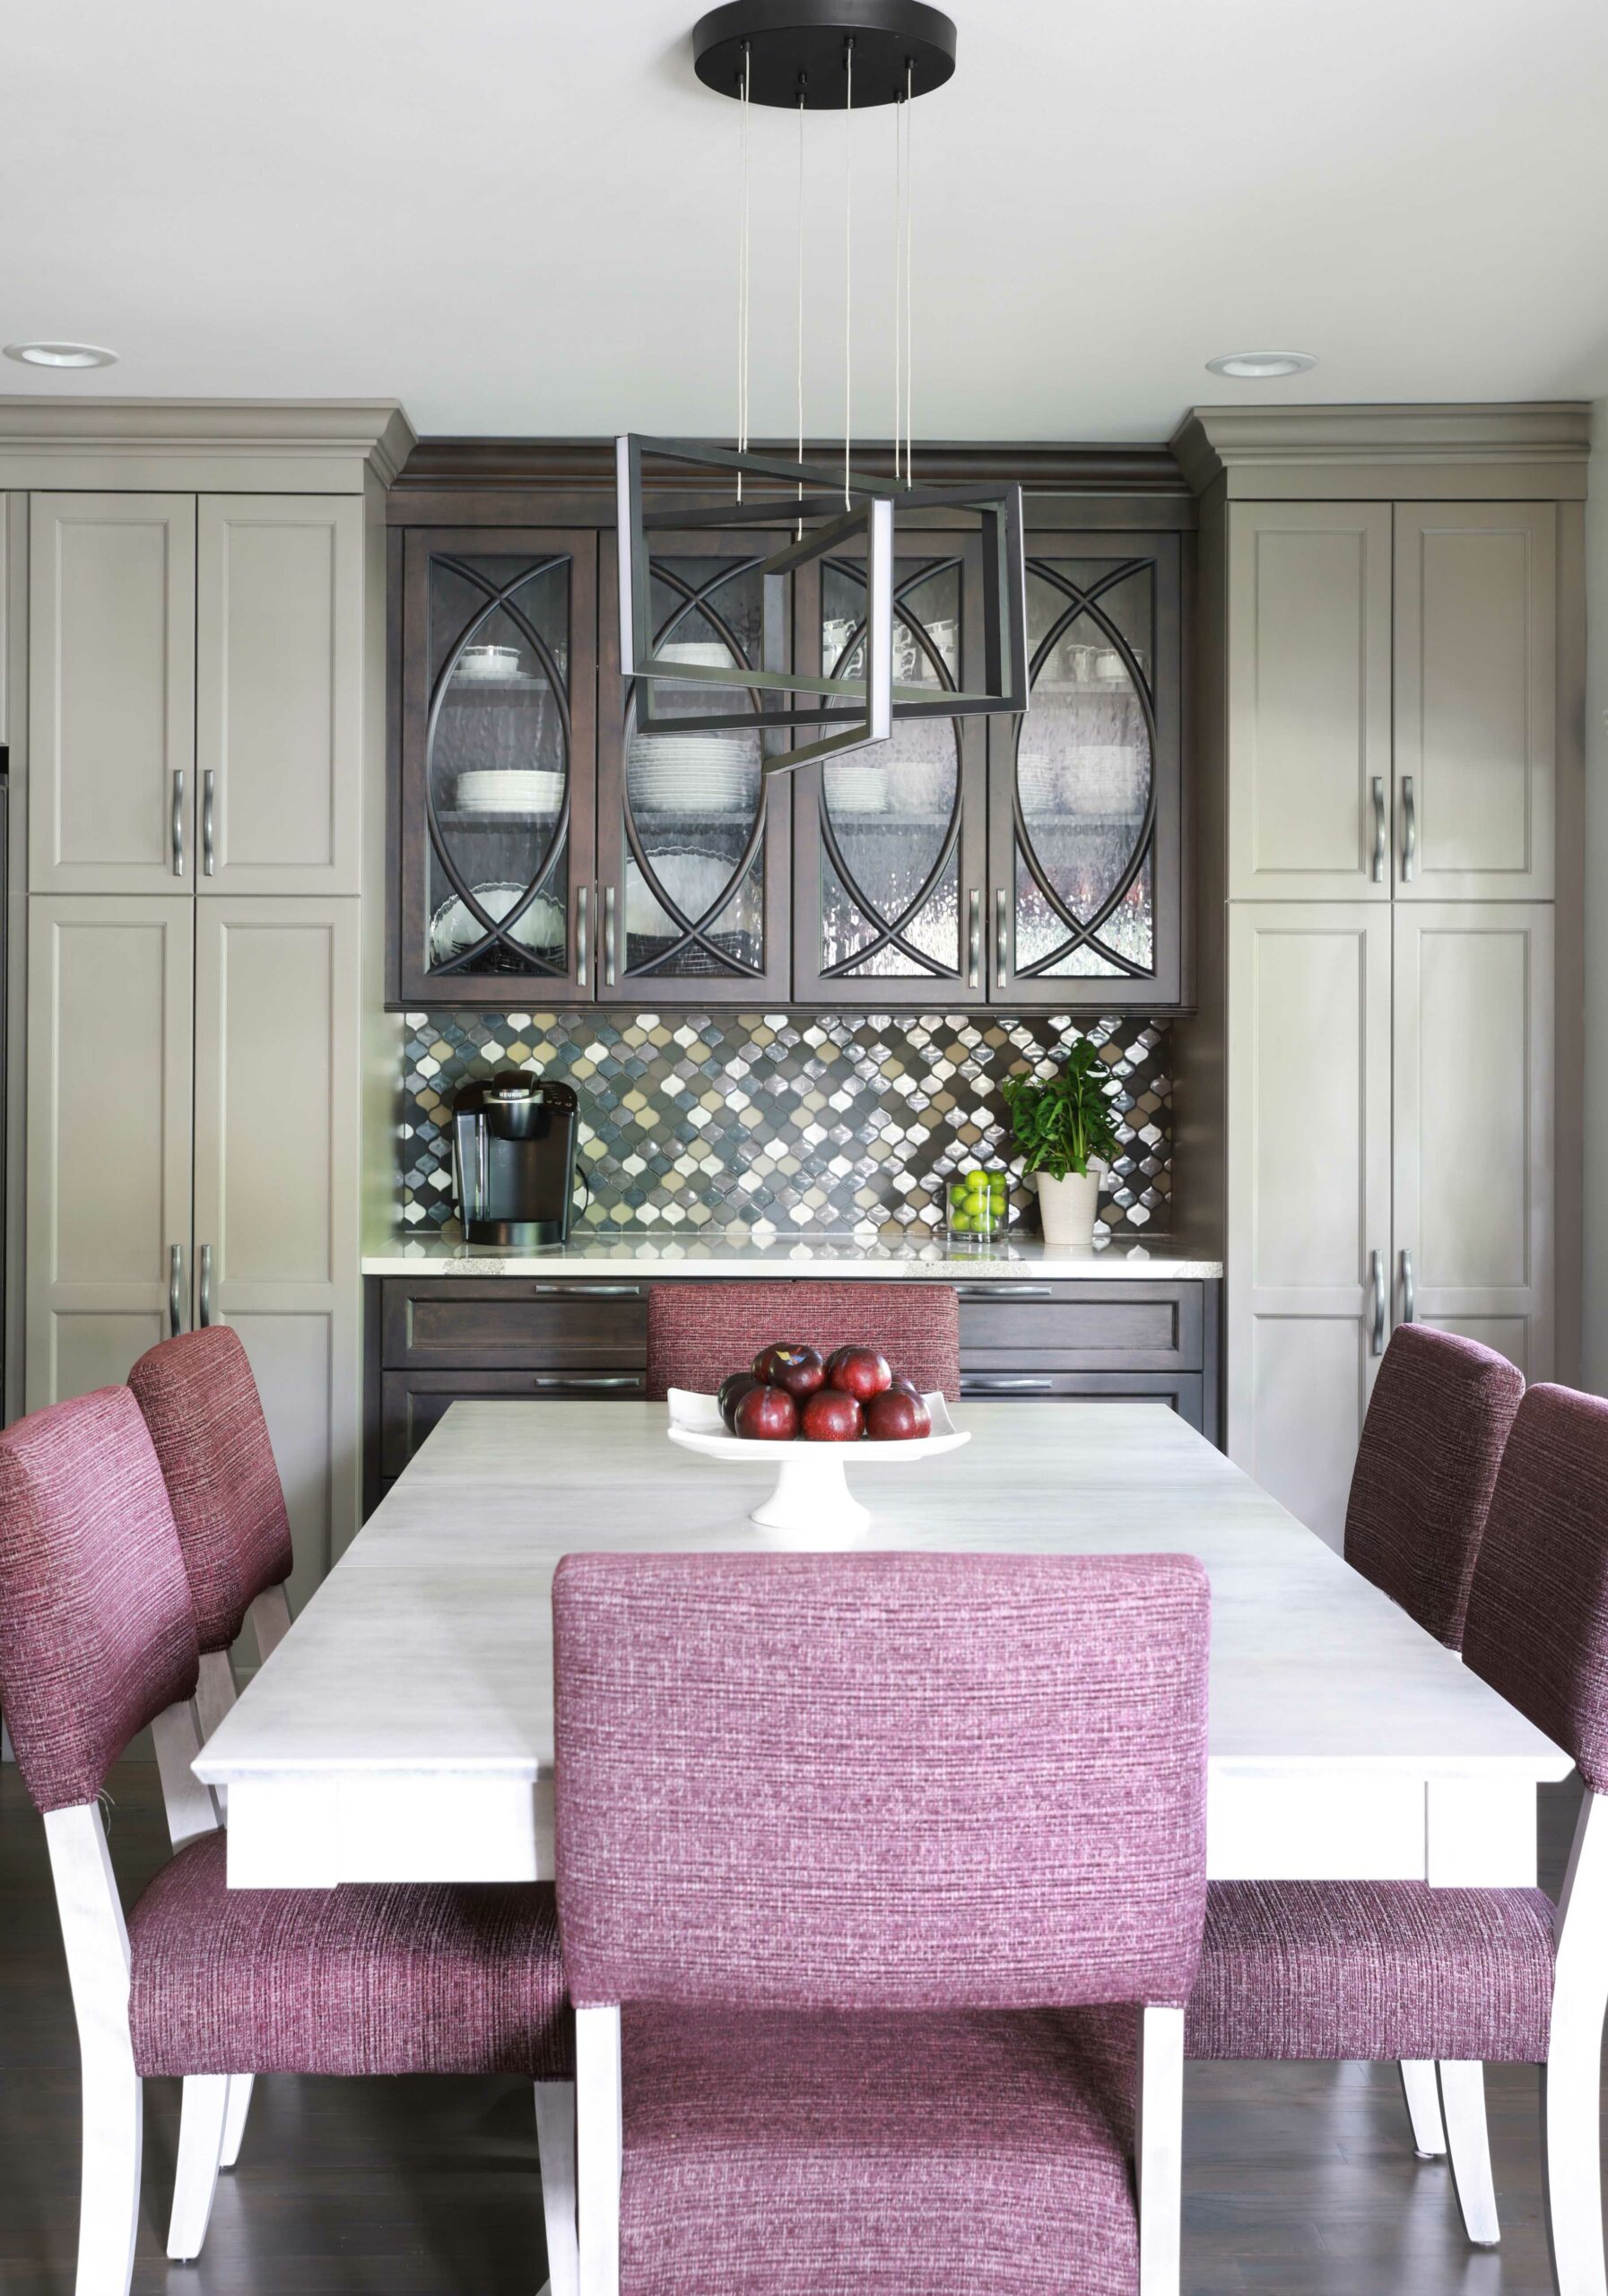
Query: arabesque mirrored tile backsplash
{"points": [[824, 1121]]}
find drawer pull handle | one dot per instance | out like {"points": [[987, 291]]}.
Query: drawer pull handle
{"points": [[1006, 1291], [978, 1384], [589, 1380], [588, 1291]]}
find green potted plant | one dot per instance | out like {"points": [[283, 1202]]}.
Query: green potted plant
{"points": [[1066, 1131]]}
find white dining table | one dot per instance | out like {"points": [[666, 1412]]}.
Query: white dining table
{"points": [[402, 1730]]}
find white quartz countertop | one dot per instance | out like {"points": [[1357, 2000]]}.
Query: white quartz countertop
{"points": [[819, 1253]]}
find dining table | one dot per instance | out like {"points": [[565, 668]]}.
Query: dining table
{"points": [[402, 1730]]}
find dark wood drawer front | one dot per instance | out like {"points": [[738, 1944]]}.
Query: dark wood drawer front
{"points": [[1020, 1326], [515, 1324], [411, 1401], [1183, 1390]]}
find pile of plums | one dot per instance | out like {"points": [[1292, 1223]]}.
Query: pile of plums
{"points": [[792, 1392]]}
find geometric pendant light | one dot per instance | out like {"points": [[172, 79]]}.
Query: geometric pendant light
{"points": [[820, 56]]}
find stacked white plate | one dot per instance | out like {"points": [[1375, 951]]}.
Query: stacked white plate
{"points": [[704, 654], [856, 788], [692, 881], [690, 773], [514, 789], [452, 928]]}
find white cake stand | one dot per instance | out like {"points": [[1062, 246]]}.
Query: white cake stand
{"points": [[811, 1499]]}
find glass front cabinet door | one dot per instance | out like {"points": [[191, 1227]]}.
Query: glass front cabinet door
{"points": [[890, 903], [1084, 789], [692, 838], [498, 763]]}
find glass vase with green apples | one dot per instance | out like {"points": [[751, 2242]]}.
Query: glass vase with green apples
{"points": [[977, 1202]]}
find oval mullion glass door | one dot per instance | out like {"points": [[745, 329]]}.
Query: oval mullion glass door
{"points": [[890, 906], [498, 678], [693, 837], [1084, 787]]}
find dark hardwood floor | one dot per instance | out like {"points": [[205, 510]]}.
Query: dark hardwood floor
{"points": [[1299, 2181]]}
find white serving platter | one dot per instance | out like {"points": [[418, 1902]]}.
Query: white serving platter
{"points": [[812, 1501]]}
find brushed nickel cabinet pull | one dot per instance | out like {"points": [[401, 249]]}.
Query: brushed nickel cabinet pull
{"points": [[587, 1290], [1409, 830], [209, 786], [610, 958], [582, 955], [1375, 1261], [1381, 843], [980, 1383], [1005, 1290], [176, 827], [975, 941], [175, 1290], [1001, 939], [1409, 1290], [610, 1380], [204, 1302]]}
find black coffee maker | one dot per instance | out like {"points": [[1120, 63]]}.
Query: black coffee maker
{"points": [[513, 1160]]}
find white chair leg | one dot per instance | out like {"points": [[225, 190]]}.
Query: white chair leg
{"points": [[200, 2148], [1158, 2150], [555, 2149], [598, 2149], [1462, 2103], [1572, 2079], [97, 1948], [1422, 2092], [234, 2117], [270, 1616]]}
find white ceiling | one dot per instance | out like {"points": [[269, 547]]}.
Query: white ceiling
{"points": [[516, 216]]}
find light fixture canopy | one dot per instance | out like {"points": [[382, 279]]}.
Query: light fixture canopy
{"points": [[825, 510], [1261, 366], [793, 51], [61, 354]]}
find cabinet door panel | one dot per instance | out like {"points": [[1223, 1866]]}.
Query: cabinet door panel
{"points": [[111, 692], [890, 871], [1475, 697], [109, 1134], [276, 1188], [1084, 791], [1309, 1192], [279, 692], [693, 836], [1309, 726], [499, 767], [1473, 1123]]}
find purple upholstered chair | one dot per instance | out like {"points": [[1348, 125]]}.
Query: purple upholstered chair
{"points": [[205, 1418], [98, 1637], [698, 1332], [1426, 1467], [896, 1865], [1466, 1977]]}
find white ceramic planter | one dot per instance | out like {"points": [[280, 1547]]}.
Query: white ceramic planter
{"points": [[1066, 1208]]}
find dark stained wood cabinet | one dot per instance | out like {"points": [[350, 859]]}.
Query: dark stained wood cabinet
{"points": [[545, 848], [432, 1340]]}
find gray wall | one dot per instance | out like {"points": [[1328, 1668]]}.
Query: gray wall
{"points": [[1595, 1336]]}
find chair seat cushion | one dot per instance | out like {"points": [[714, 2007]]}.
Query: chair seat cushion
{"points": [[436, 1978], [1336, 1969], [874, 2155]]}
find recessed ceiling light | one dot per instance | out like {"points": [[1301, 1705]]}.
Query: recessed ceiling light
{"points": [[1261, 366], [61, 354]]}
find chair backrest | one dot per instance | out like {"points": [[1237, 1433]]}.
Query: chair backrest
{"points": [[205, 1419], [1426, 1468], [1537, 1625], [698, 1332], [97, 1627], [881, 1780]]}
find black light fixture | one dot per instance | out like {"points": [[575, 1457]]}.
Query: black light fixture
{"points": [[808, 55]]}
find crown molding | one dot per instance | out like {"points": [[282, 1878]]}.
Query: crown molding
{"points": [[314, 446], [1535, 447], [531, 465]]}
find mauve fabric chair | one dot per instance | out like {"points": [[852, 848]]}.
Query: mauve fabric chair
{"points": [[98, 1637], [698, 1332], [1426, 1468], [895, 1865], [1469, 1977]]}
